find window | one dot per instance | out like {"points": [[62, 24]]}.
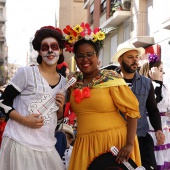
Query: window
{"points": [[1, 49], [1, 12], [126, 32], [113, 47], [103, 6], [91, 13]]}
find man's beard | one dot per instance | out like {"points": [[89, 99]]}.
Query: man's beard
{"points": [[128, 68]]}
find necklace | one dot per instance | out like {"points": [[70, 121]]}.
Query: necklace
{"points": [[80, 92]]}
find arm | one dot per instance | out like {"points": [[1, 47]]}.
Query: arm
{"points": [[153, 111], [158, 90], [7, 100], [125, 151], [6, 107], [127, 103], [154, 116]]}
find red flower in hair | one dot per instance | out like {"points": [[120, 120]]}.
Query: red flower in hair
{"points": [[69, 31], [68, 47], [86, 29], [96, 30], [61, 65]]}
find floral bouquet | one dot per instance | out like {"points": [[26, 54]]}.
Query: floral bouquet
{"points": [[79, 32]]}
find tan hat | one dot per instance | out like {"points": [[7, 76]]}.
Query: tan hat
{"points": [[124, 47], [67, 128]]}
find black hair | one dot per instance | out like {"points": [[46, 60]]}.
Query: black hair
{"points": [[155, 64], [62, 71], [83, 41], [45, 33]]}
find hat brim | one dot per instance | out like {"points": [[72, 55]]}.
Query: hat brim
{"points": [[140, 51], [108, 161], [68, 131]]}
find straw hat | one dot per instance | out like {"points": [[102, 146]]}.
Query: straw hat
{"points": [[124, 47], [67, 128]]}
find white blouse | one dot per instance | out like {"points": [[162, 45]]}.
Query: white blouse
{"points": [[30, 83]]}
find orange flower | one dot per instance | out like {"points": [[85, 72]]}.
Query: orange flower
{"points": [[78, 95], [81, 94], [86, 92]]}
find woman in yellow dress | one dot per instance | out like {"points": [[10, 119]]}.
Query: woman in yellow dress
{"points": [[97, 98]]}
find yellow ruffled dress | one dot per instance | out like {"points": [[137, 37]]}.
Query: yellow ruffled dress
{"points": [[100, 126]]}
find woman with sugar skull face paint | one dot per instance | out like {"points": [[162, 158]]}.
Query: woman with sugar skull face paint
{"points": [[29, 133]]}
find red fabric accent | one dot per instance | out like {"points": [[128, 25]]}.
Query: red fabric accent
{"points": [[61, 65], [154, 49], [2, 127], [69, 113]]}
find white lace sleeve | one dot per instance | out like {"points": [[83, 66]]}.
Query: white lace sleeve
{"points": [[164, 104]]}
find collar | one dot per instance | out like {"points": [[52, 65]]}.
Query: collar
{"points": [[137, 75]]}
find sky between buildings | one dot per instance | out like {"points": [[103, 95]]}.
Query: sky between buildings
{"points": [[24, 17]]}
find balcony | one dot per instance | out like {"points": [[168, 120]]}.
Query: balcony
{"points": [[3, 2], [2, 36], [86, 3], [166, 24], [1, 58], [137, 27], [116, 19], [142, 41], [2, 20]]}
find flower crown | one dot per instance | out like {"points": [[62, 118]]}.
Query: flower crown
{"points": [[50, 27], [153, 58], [79, 32]]}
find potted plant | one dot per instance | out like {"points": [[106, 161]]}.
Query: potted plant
{"points": [[116, 6]]}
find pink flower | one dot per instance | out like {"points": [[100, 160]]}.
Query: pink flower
{"points": [[86, 29]]}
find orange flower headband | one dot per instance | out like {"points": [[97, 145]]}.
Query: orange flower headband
{"points": [[79, 32]]}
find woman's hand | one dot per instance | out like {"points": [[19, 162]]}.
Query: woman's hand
{"points": [[33, 121], [155, 74], [60, 101], [168, 113], [160, 137], [124, 153]]}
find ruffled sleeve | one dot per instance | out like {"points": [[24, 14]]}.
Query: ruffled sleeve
{"points": [[125, 100]]}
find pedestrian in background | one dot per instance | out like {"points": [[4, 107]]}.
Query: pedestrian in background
{"points": [[153, 68], [128, 55]]}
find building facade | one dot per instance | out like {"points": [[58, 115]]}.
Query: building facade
{"points": [[70, 12], [3, 46], [145, 23]]}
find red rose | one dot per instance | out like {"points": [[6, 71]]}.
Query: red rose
{"points": [[77, 95], [78, 100], [86, 92], [80, 94]]}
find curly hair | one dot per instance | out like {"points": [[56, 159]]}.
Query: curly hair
{"points": [[45, 32]]}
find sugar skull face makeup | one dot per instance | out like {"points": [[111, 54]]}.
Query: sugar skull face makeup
{"points": [[50, 50], [52, 47]]}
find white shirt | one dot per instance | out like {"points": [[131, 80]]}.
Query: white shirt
{"points": [[32, 86]]}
